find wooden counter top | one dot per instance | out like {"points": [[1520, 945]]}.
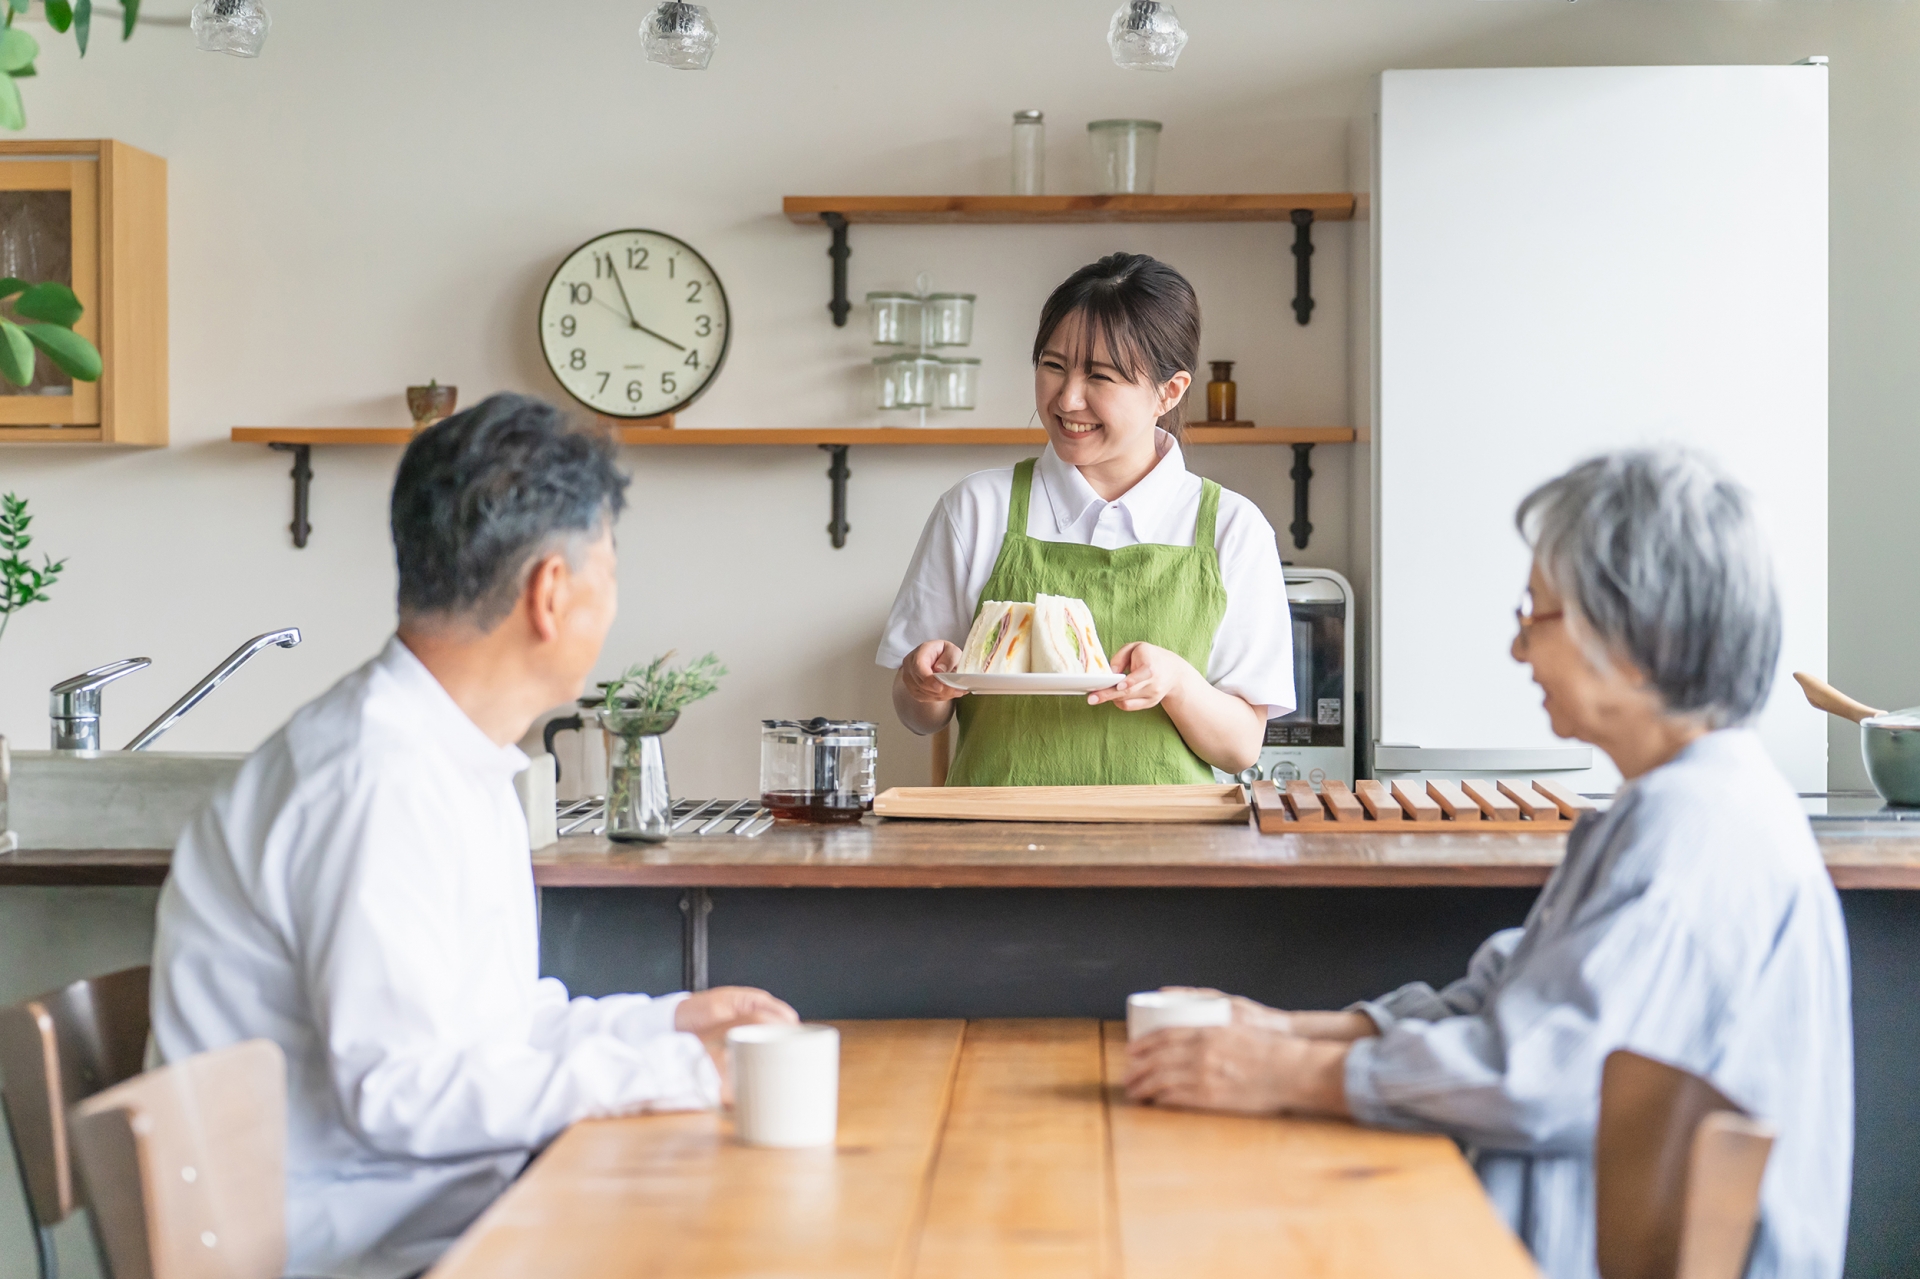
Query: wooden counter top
{"points": [[926, 854], [998, 1148]]}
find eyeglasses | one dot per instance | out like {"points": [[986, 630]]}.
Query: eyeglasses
{"points": [[1527, 617]]}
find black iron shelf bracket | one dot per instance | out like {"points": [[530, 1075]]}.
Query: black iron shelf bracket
{"points": [[695, 905], [839, 251], [837, 472], [1303, 270], [1302, 474], [302, 488]]}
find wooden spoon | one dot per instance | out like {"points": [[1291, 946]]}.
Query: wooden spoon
{"points": [[1826, 697]]}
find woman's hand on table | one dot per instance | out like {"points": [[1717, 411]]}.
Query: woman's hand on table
{"points": [[710, 1014], [1153, 675], [1243, 1068]]}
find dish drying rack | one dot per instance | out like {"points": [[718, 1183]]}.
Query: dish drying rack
{"points": [[692, 818]]}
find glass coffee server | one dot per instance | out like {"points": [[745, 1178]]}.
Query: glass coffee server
{"points": [[923, 377]]}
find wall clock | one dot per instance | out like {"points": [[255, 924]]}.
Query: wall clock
{"points": [[635, 324]]}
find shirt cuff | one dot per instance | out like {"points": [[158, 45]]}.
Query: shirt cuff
{"points": [[645, 1018], [1382, 1018], [1363, 1099]]}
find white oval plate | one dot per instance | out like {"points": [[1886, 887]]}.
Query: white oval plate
{"points": [[1047, 684]]}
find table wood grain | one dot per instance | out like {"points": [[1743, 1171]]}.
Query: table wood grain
{"points": [[1006, 1151], [932, 854]]}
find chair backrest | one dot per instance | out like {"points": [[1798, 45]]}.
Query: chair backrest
{"points": [[184, 1167], [56, 1050], [1677, 1171]]}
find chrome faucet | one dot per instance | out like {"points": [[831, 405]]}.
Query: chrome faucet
{"points": [[75, 703]]}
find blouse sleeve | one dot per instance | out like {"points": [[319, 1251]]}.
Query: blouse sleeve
{"points": [[1252, 654], [1420, 1002]]}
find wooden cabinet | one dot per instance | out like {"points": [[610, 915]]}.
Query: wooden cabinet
{"points": [[91, 214]]}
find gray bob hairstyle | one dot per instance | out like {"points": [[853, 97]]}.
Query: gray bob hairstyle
{"points": [[1659, 553]]}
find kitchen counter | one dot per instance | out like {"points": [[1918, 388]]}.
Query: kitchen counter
{"points": [[1860, 853]]}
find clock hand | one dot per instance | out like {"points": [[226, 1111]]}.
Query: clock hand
{"points": [[650, 333], [630, 316]]}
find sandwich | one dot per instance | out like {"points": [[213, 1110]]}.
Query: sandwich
{"points": [[1064, 638], [1001, 641]]}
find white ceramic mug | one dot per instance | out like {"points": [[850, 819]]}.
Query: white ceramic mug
{"points": [[786, 1084], [1152, 1010]]}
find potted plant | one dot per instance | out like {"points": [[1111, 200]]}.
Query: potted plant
{"points": [[636, 709], [21, 583]]}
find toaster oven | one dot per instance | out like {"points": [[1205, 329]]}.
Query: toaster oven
{"points": [[1315, 741]]}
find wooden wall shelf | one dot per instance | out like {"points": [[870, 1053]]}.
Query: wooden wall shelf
{"points": [[300, 441], [839, 212]]}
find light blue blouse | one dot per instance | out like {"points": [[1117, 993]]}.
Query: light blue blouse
{"points": [[1693, 922]]}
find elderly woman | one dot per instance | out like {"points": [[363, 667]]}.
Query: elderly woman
{"points": [[1693, 921]]}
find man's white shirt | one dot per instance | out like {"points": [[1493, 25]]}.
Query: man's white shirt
{"points": [[363, 896]]}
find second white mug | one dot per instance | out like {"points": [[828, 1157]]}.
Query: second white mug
{"points": [[1152, 1010], [786, 1084]]}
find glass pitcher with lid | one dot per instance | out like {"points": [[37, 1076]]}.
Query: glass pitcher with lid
{"points": [[817, 770]]}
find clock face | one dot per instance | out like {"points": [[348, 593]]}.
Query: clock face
{"points": [[635, 324]]}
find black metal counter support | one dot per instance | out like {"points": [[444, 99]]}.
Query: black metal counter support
{"points": [[695, 906], [839, 252], [302, 487], [1302, 277], [837, 472], [1302, 474]]}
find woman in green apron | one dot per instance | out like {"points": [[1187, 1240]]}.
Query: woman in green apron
{"points": [[1182, 577]]}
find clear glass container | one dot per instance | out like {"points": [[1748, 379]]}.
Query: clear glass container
{"points": [[239, 27], [639, 802], [1029, 153], [1124, 152], [949, 319], [904, 381], [817, 770], [956, 384], [1146, 35], [896, 319], [679, 35]]}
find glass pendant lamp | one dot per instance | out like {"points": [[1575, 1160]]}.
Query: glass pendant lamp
{"points": [[679, 35], [1146, 35], [238, 27]]}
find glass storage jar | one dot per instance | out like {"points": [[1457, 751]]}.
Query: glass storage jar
{"points": [[956, 385], [904, 381], [817, 770], [1124, 152], [639, 803], [896, 319], [949, 319], [1029, 153]]}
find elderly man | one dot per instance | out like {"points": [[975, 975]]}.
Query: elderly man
{"points": [[1693, 921], [363, 893]]}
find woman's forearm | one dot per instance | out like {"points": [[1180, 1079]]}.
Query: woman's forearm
{"points": [[923, 717], [1219, 727]]}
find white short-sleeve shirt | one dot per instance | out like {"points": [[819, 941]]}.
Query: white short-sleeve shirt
{"points": [[1252, 654]]}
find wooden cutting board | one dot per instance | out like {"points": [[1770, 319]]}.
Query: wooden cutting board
{"points": [[1207, 803]]}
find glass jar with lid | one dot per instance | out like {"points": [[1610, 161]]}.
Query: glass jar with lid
{"points": [[1124, 152], [956, 384], [904, 381], [949, 319], [817, 770], [896, 319]]}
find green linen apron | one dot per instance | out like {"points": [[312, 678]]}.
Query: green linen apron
{"points": [[1171, 596]]}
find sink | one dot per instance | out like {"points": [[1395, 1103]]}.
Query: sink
{"points": [[112, 799]]}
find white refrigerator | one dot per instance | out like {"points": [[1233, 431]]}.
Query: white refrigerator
{"points": [[1565, 261]]}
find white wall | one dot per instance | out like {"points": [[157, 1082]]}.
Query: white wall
{"points": [[379, 199]]}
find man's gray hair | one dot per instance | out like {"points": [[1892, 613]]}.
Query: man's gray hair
{"points": [[1661, 557]]}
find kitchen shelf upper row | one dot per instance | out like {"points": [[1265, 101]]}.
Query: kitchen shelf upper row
{"points": [[890, 435]]}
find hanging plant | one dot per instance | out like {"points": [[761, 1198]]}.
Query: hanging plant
{"points": [[18, 49], [50, 311]]}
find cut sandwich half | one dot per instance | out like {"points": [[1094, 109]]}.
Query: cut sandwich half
{"points": [[1001, 641], [1064, 638]]}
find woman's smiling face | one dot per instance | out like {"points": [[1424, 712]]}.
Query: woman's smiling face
{"points": [[1092, 411]]}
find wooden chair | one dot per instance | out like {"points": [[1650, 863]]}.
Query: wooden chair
{"points": [[185, 1167], [57, 1050], [942, 755], [1677, 1174]]}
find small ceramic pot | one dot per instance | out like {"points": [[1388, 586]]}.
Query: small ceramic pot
{"points": [[1892, 756], [429, 404]]}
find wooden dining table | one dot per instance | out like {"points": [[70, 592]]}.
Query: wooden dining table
{"points": [[993, 1148]]}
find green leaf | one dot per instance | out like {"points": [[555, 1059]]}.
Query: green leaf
{"points": [[16, 354], [17, 50], [24, 72], [76, 356], [19, 6], [13, 112], [129, 16], [59, 14], [82, 23], [10, 286], [52, 302]]}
